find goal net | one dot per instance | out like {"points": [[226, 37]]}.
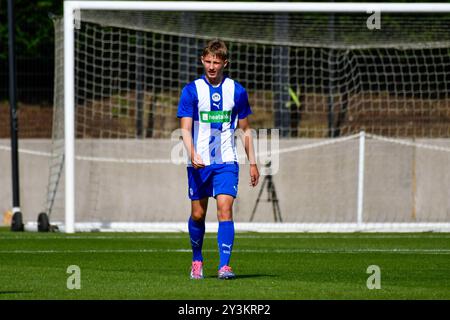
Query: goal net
{"points": [[360, 103]]}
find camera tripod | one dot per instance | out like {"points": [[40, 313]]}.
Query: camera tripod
{"points": [[271, 197]]}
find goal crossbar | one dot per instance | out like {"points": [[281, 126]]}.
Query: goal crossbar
{"points": [[258, 6]]}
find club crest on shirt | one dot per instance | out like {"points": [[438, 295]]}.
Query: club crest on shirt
{"points": [[216, 97]]}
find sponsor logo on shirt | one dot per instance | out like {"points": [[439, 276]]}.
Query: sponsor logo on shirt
{"points": [[215, 116]]}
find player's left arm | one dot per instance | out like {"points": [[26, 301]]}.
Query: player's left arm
{"points": [[244, 125]]}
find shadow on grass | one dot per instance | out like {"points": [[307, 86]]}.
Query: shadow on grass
{"points": [[245, 276], [14, 292]]}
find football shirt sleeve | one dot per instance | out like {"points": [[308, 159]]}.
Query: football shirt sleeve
{"points": [[186, 104], [243, 105]]}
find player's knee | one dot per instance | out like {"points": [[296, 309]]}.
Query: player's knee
{"points": [[198, 215], [225, 214]]}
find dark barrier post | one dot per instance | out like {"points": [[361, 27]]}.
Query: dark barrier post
{"points": [[16, 224]]}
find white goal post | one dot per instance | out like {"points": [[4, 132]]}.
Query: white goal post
{"points": [[70, 14]]}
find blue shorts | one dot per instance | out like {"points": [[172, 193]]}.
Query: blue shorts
{"points": [[213, 180]]}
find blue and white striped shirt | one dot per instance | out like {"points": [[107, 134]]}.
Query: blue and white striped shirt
{"points": [[215, 112]]}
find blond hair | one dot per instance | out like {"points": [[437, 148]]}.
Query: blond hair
{"points": [[216, 47]]}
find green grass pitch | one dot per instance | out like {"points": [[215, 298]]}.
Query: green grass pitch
{"points": [[268, 266]]}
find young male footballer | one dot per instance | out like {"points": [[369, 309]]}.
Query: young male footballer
{"points": [[211, 108]]}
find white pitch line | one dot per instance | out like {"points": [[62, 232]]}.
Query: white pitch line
{"points": [[319, 251]]}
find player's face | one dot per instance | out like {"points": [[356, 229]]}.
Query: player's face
{"points": [[214, 68]]}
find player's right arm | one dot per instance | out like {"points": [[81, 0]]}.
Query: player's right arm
{"points": [[186, 129], [186, 115]]}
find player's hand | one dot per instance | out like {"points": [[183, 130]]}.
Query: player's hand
{"points": [[254, 175], [197, 161]]}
